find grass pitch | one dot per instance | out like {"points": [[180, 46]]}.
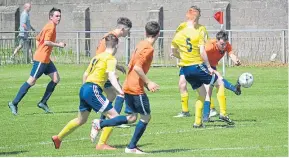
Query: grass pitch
{"points": [[260, 115]]}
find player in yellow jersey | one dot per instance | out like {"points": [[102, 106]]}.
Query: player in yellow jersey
{"points": [[183, 82], [189, 46], [101, 68]]}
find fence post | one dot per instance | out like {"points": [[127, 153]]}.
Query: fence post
{"points": [[230, 41], [77, 49], [283, 47], [127, 49]]}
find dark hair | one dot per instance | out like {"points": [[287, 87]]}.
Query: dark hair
{"points": [[152, 28], [222, 35], [51, 12], [111, 41], [196, 8], [124, 21]]}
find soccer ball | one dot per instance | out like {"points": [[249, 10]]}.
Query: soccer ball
{"points": [[246, 80]]}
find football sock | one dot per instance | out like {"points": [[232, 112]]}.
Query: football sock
{"points": [[229, 86], [185, 100], [21, 93], [199, 110], [114, 121], [139, 130], [70, 127], [206, 110], [105, 135], [222, 100], [49, 89], [118, 103]]}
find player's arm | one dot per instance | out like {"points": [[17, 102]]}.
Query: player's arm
{"points": [[175, 52], [48, 40], [235, 59], [232, 55], [174, 49], [203, 53], [84, 77], [112, 76], [88, 69], [151, 86]]}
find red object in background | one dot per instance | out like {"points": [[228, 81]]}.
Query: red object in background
{"points": [[219, 17]]}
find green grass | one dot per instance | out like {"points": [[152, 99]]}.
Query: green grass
{"points": [[260, 114]]}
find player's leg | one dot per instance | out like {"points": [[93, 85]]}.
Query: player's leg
{"points": [[110, 94], [51, 71], [88, 101], [142, 106], [207, 102], [213, 111], [184, 95], [234, 88], [102, 143], [223, 105], [37, 70], [70, 127]]}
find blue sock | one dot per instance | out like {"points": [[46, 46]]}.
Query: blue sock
{"points": [[139, 130], [114, 121], [206, 110], [118, 103], [229, 86], [21, 93], [49, 89]]}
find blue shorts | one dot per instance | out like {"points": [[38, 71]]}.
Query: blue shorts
{"points": [[91, 97], [182, 70], [42, 68], [138, 103], [197, 75]]}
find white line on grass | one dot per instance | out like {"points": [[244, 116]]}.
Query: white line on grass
{"points": [[121, 135], [193, 150]]}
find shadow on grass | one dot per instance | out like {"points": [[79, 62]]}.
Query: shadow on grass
{"points": [[124, 146], [219, 126], [12, 153], [168, 151], [59, 112]]}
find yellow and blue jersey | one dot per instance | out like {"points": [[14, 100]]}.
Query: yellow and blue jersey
{"points": [[188, 41], [99, 67]]}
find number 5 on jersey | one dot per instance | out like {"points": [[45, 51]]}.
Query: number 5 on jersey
{"points": [[189, 44]]}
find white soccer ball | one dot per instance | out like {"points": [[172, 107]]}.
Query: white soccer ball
{"points": [[246, 80]]}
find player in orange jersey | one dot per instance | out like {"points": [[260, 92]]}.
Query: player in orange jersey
{"points": [[216, 49], [42, 64], [122, 30], [134, 84]]}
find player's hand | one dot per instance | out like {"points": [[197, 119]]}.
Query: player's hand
{"points": [[153, 87], [121, 93], [61, 44], [121, 69], [238, 62]]}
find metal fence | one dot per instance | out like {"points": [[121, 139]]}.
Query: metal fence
{"points": [[251, 46]]}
